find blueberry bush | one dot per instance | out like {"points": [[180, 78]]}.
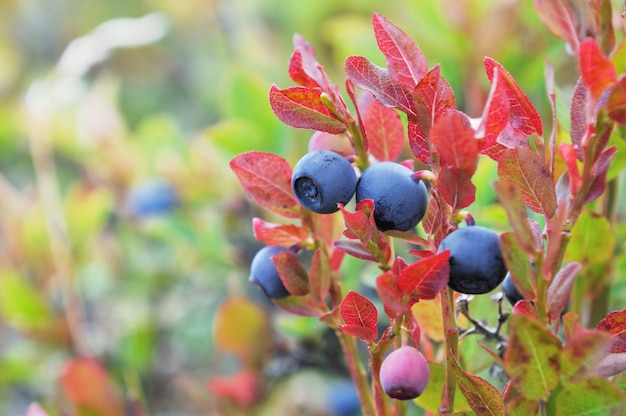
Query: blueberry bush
{"points": [[159, 258], [558, 187]]}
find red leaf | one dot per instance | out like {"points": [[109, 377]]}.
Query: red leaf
{"points": [[390, 295], [384, 130], [529, 172], [360, 224], [435, 93], [266, 178], [405, 61], [578, 116], [435, 221], [319, 275], [616, 104], [87, 384], [602, 167], [496, 114], [427, 277], [355, 249], [453, 138], [418, 143], [510, 198], [560, 289], [292, 273], [558, 16], [244, 387], [524, 116], [376, 80], [597, 71], [360, 316], [456, 187], [583, 352], [568, 153], [303, 66], [303, 107], [285, 235], [615, 324], [525, 307]]}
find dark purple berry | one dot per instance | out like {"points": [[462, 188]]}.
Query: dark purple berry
{"points": [[476, 263], [510, 291], [399, 199], [322, 179], [264, 274], [404, 373]]}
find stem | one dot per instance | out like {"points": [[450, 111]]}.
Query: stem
{"points": [[56, 227], [359, 146], [358, 373], [451, 334]]}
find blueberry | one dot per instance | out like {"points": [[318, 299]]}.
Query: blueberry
{"points": [[151, 198], [322, 179], [343, 399], [476, 263], [399, 199], [510, 291], [264, 274], [404, 373]]}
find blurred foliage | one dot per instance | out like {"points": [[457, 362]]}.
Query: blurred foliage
{"points": [[83, 123]]}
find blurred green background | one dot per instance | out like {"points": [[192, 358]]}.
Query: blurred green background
{"points": [[122, 229]]}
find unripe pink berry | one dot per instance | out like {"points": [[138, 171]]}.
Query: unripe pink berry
{"points": [[338, 143], [404, 373]]}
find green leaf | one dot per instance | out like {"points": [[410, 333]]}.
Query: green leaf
{"points": [[593, 396], [21, 305], [592, 240], [532, 357], [483, 397], [584, 351], [519, 266], [430, 399]]}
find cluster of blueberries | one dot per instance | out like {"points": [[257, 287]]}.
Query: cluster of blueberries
{"points": [[322, 179]]}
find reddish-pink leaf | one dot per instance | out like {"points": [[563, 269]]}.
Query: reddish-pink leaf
{"points": [[529, 172], [405, 61], [597, 71], [456, 187], [568, 153], [360, 316], [435, 93], [560, 289], [616, 104], [453, 138], [559, 17], [496, 113], [360, 224], [245, 387], [286, 235], [578, 116], [523, 115], [583, 352], [384, 130], [376, 80], [435, 221], [427, 277], [615, 324], [482, 396], [525, 307], [301, 305], [390, 295], [602, 167], [418, 142], [266, 178], [511, 200], [303, 107], [87, 384], [292, 273], [303, 66], [355, 249]]}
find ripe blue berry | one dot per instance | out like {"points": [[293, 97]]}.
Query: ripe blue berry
{"points": [[399, 199], [404, 373], [151, 198], [476, 263], [264, 274], [510, 291], [322, 179]]}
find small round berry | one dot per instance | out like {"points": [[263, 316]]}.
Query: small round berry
{"points": [[404, 373], [476, 263], [510, 291], [338, 143], [264, 274], [323, 179], [400, 200], [151, 198]]}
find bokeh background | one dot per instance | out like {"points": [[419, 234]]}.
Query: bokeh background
{"points": [[125, 237]]}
